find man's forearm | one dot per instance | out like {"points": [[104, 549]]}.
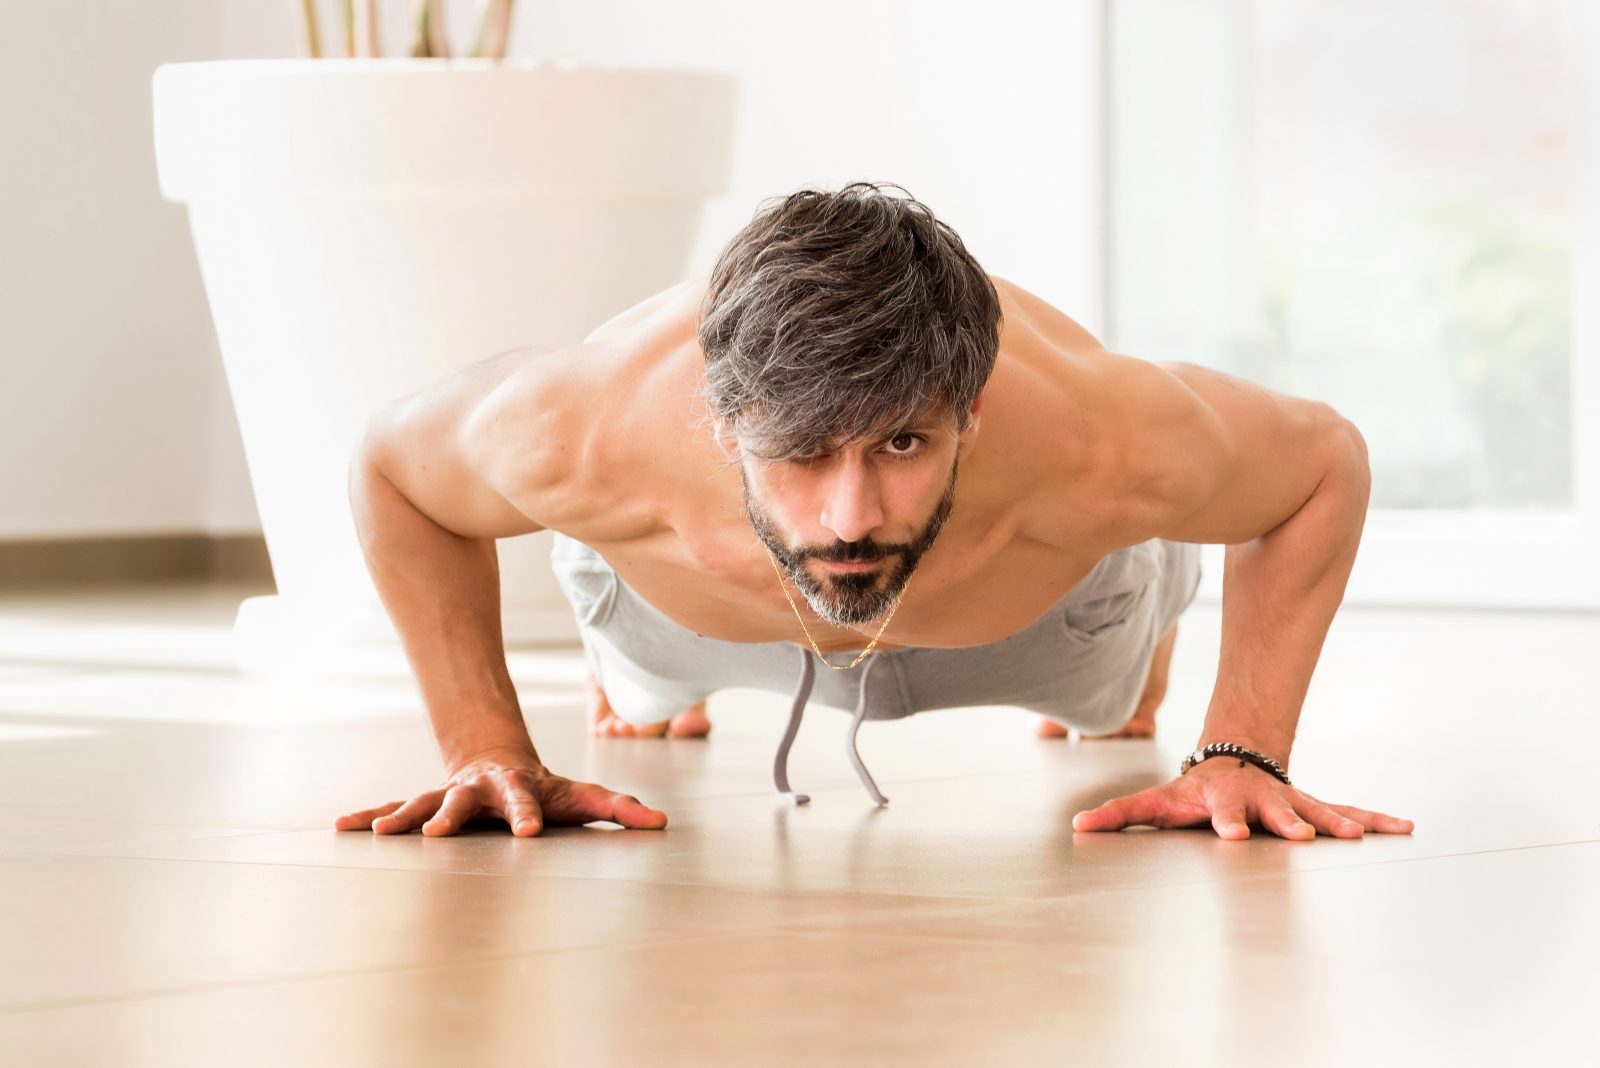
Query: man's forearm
{"points": [[442, 592], [1279, 595]]}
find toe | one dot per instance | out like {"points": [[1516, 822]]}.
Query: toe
{"points": [[613, 726], [692, 722]]}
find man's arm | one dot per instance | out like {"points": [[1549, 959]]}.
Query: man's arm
{"points": [[428, 500], [438, 478], [1284, 483]]}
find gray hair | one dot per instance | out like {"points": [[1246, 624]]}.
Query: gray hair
{"points": [[843, 316]]}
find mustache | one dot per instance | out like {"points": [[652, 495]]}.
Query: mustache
{"points": [[852, 554]]}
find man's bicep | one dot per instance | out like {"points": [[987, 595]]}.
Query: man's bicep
{"points": [[1236, 459]]}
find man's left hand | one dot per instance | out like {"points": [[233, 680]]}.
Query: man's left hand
{"points": [[1232, 797]]}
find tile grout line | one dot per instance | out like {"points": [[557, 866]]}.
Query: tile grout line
{"points": [[956, 901], [568, 878], [293, 978]]}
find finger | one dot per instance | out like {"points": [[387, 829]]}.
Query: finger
{"points": [[1229, 820], [1375, 821], [1330, 822], [460, 802], [602, 804], [409, 815], [1146, 806], [361, 821], [631, 812], [1279, 817], [522, 812]]}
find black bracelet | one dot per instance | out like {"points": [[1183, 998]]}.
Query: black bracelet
{"points": [[1265, 763]]}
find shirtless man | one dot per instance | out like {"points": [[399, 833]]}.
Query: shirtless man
{"points": [[746, 471]]}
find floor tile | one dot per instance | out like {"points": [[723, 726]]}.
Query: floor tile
{"points": [[1485, 913], [81, 928], [22, 835], [799, 998]]}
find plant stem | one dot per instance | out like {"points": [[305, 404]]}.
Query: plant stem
{"points": [[366, 28], [419, 39], [494, 27], [348, 16], [437, 45], [306, 16]]}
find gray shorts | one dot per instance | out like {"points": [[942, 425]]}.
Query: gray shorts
{"points": [[1082, 663]]}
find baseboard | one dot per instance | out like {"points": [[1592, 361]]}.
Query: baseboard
{"points": [[58, 562]]}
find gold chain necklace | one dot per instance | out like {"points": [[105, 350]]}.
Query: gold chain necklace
{"points": [[865, 652]]}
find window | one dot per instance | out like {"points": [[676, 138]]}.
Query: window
{"points": [[1380, 205]]}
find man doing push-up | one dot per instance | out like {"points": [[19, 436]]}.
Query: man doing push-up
{"points": [[853, 466]]}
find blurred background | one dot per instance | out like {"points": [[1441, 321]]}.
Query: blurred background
{"points": [[1385, 205]]}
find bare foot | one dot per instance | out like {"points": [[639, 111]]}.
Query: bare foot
{"points": [[1052, 728], [1142, 725], [1143, 722], [692, 722]]}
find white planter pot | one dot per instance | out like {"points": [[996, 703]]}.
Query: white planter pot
{"points": [[366, 227]]}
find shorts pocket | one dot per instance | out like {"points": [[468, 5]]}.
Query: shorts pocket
{"points": [[591, 589], [1097, 620]]}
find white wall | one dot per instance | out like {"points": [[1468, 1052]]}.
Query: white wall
{"points": [[106, 403], [989, 113], [114, 414]]}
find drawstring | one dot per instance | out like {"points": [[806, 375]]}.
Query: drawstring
{"points": [[850, 742], [802, 694], [780, 769]]}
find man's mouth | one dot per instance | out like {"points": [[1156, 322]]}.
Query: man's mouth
{"points": [[857, 563], [852, 565]]}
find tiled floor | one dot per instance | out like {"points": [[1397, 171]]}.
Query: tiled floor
{"points": [[174, 892]]}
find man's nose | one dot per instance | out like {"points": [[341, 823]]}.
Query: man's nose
{"points": [[853, 507]]}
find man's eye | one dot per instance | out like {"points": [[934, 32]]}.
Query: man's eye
{"points": [[909, 440]]}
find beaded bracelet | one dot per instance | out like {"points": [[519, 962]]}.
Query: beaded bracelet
{"points": [[1265, 763]]}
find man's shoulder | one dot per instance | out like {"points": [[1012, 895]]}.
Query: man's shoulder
{"points": [[1096, 439], [670, 311], [590, 431], [1028, 313]]}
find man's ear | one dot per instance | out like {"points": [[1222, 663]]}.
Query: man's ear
{"points": [[972, 416], [725, 439]]}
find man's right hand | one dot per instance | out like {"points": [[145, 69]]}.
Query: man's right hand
{"points": [[511, 784]]}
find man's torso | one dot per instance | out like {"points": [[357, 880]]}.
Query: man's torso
{"points": [[1041, 498]]}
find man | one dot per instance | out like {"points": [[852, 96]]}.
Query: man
{"points": [[746, 472]]}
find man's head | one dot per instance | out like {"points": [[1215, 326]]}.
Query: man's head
{"points": [[847, 338]]}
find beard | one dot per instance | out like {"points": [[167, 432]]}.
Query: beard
{"points": [[849, 599]]}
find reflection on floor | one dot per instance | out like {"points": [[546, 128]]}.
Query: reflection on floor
{"points": [[174, 891]]}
